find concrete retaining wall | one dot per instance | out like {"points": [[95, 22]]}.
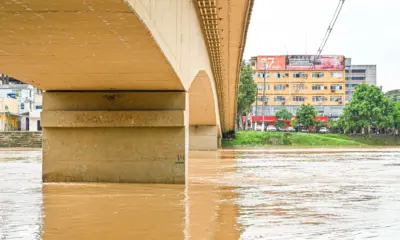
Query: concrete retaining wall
{"points": [[20, 139]]}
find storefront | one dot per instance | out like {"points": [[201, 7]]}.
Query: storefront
{"points": [[270, 120]]}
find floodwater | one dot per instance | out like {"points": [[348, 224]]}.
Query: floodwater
{"points": [[232, 194]]}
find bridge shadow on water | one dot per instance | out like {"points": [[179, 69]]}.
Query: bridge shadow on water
{"points": [[203, 209]]}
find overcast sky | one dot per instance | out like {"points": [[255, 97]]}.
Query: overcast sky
{"points": [[368, 31]]}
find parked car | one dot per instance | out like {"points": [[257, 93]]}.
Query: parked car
{"points": [[259, 128], [304, 130], [324, 130], [271, 128], [290, 129], [281, 129]]}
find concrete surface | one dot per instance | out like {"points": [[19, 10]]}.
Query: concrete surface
{"points": [[77, 149], [203, 138]]}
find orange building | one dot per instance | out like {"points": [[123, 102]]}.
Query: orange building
{"points": [[8, 114], [299, 79]]}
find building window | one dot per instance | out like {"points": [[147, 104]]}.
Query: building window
{"points": [[318, 87], [358, 78], [253, 63], [318, 75], [262, 99], [336, 99], [22, 106], [351, 85], [299, 75], [355, 78], [279, 87], [279, 99], [336, 74], [280, 75], [318, 99], [358, 70], [298, 87], [261, 74], [260, 86], [299, 99], [335, 87]]}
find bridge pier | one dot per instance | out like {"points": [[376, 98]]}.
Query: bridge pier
{"points": [[139, 137], [203, 138]]}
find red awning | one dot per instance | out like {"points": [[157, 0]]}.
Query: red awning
{"points": [[272, 119]]}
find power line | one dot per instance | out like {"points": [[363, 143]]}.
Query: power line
{"points": [[325, 39], [331, 25]]}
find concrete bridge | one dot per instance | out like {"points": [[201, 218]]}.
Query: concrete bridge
{"points": [[130, 85]]}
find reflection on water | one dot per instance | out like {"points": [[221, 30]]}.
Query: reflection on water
{"points": [[243, 194], [115, 211]]}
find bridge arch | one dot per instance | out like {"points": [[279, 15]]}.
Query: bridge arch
{"points": [[203, 106], [203, 113]]}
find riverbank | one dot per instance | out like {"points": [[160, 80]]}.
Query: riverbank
{"points": [[265, 139]]}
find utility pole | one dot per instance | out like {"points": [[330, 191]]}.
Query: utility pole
{"points": [[263, 115], [255, 117], [8, 118]]}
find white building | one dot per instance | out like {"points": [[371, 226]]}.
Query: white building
{"points": [[29, 102], [358, 74], [31, 121]]}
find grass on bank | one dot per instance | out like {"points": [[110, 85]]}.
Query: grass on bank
{"points": [[252, 138]]}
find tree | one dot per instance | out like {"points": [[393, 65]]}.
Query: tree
{"points": [[280, 124], [318, 125], [333, 125], [293, 123], [284, 114], [281, 115], [396, 116], [369, 105], [393, 95], [247, 92], [345, 123], [305, 115], [386, 120]]}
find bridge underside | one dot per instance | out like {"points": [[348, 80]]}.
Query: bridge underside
{"points": [[130, 85]]}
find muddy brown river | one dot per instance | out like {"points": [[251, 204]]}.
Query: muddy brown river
{"points": [[232, 194]]}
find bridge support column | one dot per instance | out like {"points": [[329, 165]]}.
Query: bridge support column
{"points": [[139, 137], [203, 138]]}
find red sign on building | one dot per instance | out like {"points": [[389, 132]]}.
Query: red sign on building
{"points": [[271, 63], [301, 62], [310, 62]]}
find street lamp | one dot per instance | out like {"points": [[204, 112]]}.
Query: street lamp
{"points": [[265, 76], [256, 114]]}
